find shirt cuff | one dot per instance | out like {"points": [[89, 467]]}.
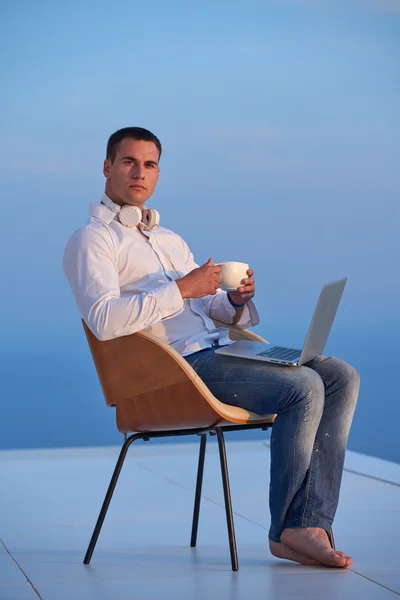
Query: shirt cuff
{"points": [[249, 316], [253, 314], [169, 299], [222, 310]]}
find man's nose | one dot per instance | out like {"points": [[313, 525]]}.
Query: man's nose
{"points": [[138, 171]]}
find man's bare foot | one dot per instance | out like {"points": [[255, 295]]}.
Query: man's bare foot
{"points": [[281, 551], [313, 543]]}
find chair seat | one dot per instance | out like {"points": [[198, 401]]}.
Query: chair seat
{"points": [[180, 406]]}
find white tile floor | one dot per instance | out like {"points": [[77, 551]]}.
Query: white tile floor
{"points": [[50, 501]]}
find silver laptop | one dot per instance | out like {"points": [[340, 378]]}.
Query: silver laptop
{"points": [[317, 335]]}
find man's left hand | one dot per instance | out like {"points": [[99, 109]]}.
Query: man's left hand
{"points": [[246, 291]]}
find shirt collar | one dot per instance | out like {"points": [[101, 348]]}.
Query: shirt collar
{"points": [[102, 212]]}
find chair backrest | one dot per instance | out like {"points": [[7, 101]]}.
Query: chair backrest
{"points": [[152, 386], [131, 365]]}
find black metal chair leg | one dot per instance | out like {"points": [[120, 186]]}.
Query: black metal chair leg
{"points": [[108, 497], [199, 483], [331, 539], [227, 496]]}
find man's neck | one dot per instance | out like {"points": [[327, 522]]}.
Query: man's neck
{"points": [[118, 200]]}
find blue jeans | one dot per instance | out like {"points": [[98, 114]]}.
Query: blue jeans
{"points": [[314, 404]]}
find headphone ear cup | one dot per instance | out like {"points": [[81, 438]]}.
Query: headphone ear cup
{"points": [[130, 216], [151, 218]]}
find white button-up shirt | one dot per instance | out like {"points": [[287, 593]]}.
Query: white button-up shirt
{"points": [[123, 281]]}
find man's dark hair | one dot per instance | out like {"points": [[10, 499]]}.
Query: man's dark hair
{"points": [[135, 133]]}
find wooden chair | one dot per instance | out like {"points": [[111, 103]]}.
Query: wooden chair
{"points": [[156, 393]]}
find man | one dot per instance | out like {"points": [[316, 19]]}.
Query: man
{"points": [[128, 275]]}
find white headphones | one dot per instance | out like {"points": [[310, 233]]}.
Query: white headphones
{"points": [[130, 216]]}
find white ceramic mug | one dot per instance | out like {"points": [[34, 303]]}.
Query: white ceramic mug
{"points": [[232, 274]]}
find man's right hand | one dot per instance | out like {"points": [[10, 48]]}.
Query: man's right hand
{"points": [[200, 282]]}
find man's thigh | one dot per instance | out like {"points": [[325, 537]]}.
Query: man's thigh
{"points": [[257, 386]]}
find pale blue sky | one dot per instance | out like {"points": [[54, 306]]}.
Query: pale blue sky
{"points": [[280, 127], [283, 110]]}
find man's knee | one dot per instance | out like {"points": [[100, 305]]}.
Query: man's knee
{"points": [[345, 372], [307, 387]]}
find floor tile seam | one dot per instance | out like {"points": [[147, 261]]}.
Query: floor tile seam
{"points": [[374, 477], [21, 569], [181, 485], [89, 581], [131, 579], [376, 582]]}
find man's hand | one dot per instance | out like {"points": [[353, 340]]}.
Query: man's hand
{"points": [[246, 291], [200, 282]]}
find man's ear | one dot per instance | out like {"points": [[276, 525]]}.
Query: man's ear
{"points": [[106, 168]]}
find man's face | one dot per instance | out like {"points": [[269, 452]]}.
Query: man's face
{"points": [[133, 175]]}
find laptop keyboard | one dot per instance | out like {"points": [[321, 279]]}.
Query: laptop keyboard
{"points": [[281, 353]]}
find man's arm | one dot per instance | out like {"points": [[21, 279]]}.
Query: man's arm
{"points": [[217, 306], [90, 264], [240, 298]]}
